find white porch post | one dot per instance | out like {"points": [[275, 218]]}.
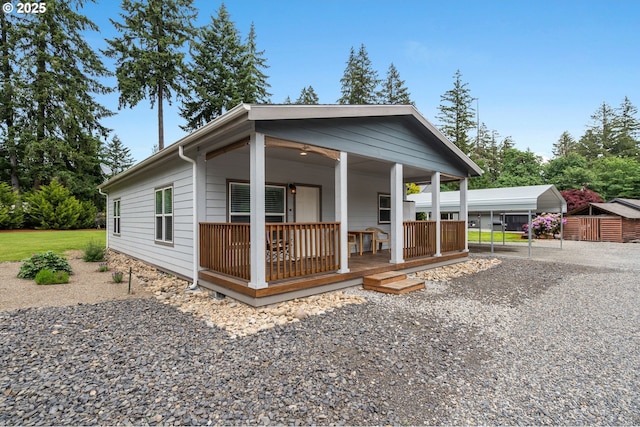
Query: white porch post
{"points": [[464, 210], [435, 208], [342, 213], [257, 216], [397, 197]]}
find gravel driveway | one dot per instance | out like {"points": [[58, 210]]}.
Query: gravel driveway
{"points": [[526, 342]]}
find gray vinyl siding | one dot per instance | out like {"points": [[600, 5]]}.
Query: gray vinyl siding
{"points": [[363, 188], [394, 139], [137, 218]]}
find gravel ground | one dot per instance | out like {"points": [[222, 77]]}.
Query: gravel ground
{"points": [[525, 342]]}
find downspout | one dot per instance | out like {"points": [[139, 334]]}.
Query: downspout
{"points": [[194, 285], [106, 216]]}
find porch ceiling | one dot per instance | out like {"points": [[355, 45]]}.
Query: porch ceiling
{"points": [[361, 164]]}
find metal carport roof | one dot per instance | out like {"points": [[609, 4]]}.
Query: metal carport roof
{"points": [[530, 199], [534, 198]]}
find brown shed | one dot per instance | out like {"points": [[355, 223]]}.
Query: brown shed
{"points": [[615, 221]]}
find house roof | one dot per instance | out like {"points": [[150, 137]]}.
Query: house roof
{"points": [[537, 198], [610, 208], [240, 118]]}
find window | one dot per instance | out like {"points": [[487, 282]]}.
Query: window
{"points": [[116, 216], [240, 202], [384, 209], [164, 214]]}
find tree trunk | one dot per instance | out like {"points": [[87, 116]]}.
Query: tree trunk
{"points": [[160, 120]]}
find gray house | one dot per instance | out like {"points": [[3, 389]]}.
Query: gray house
{"points": [[273, 202]]}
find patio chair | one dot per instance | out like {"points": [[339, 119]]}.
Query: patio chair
{"points": [[352, 239], [379, 237], [277, 249]]}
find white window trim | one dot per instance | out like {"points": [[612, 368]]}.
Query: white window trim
{"points": [[117, 214], [163, 215], [380, 208]]}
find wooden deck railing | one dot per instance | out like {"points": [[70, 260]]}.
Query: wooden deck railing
{"points": [[302, 248], [452, 235], [292, 249], [224, 247], [419, 237]]}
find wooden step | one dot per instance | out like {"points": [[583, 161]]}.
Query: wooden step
{"points": [[383, 278], [398, 287]]}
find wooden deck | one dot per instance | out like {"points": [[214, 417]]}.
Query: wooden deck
{"points": [[281, 290]]}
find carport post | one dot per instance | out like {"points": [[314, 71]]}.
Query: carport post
{"points": [[491, 224], [529, 228], [561, 227]]}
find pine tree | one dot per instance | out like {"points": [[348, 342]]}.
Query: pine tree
{"points": [[393, 89], [56, 116], [360, 80], [10, 149], [626, 130], [149, 57], [116, 157], [565, 145], [599, 137], [253, 83], [307, 96], [224, 72], [217, 55], [456, 114]]}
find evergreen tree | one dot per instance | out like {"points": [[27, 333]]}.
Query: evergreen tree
{"points": [[217, 55], [307, 96], [565, 145], [224, 73], [253, 83], [626, 130], [360, 80], [56, 117], [287, 100], [456, 114], [116, 157], [149, 57], [393, 89], [599, 137], [10, 149], [616, 177]]}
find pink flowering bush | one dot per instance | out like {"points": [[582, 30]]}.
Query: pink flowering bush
{"points": [[546, 224]]}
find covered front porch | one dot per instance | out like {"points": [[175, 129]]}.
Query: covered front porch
{"points": [[303, 259]]}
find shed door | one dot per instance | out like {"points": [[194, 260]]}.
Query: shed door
{"points": [[590, 229]]}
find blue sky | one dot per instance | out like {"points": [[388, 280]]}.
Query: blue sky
{"points": [[538, 67]]}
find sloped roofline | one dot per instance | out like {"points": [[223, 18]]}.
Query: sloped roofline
{"points": [[259, 112]]}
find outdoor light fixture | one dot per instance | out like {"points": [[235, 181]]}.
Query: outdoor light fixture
{"points": [[292, 187]]}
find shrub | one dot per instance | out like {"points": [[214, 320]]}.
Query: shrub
{"points": [[10, 207], [87, 218], [117, 276], [53, 207], [545, 224], [48, 277], [93, 252], [102, 267], [45, 261]]}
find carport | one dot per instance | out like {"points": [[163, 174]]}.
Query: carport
{"points": [[530, 199]]}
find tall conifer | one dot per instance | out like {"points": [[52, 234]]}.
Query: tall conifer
{"points": [[150, 59]]}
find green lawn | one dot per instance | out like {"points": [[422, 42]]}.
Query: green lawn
{"points": [[18, 245], [497, 237]]}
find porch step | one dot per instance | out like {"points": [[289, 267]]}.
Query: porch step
{"points": [[391, 282], [383, 278]]}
